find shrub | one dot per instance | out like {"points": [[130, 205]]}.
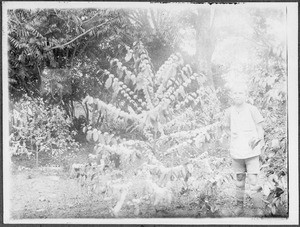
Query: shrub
{"points": [[36, 127], [168, 117]]}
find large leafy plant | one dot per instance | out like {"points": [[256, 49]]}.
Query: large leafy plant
{"points": [[165, 114]]}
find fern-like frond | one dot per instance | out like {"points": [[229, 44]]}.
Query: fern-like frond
{"points": [[110, 109], [119, 87], [33, 31], [191, 134], [17, 44]]}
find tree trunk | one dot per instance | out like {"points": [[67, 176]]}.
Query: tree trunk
{"points": [[205, 42], [37, 157], [72, 109]]}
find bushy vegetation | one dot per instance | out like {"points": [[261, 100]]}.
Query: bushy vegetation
{"points": [[36, 127]]}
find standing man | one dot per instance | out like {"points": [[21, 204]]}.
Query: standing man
{"points": [[244, 123]]}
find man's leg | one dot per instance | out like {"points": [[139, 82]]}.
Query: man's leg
{"points": [[255, 190], [239, 167], [240, 192]]}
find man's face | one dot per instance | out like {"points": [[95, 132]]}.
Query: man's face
{"points": [[238, 96]]}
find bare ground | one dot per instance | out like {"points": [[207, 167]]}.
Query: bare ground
{"points": [[51, 193]]}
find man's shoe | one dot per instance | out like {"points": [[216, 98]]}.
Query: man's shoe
{"points": [[258, 204], [258, 212], [239, 211]]}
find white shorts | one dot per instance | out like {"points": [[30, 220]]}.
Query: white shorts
{"points": [[248, 165]]}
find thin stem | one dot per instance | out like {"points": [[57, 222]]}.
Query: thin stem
{"points": [[79, 36]]}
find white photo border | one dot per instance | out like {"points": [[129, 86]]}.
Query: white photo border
{"points": [[292, 41]]}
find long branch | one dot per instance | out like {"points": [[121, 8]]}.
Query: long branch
{"points": [[71, 41], [92, 18]]}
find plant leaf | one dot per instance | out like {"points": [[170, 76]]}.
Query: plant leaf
{"points": [[95, 135], [108, 82]]}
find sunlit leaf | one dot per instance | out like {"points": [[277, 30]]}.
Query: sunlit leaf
{"points": [[95, 135], [89, 136], [101, 138], [128, 56], [275, 144], [273, 210], [266, 190], [108, 83]]}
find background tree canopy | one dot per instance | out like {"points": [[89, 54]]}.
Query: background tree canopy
{"points": [[61, 38]]}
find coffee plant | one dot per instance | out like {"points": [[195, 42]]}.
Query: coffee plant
{"points": [[169, 118]]}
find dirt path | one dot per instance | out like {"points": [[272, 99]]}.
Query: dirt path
{"points": [[52, 194]]}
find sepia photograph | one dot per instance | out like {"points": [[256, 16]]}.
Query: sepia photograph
{"points": [[150, 113]]}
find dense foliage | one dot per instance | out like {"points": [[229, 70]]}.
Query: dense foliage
{"points": [[36, 127], [269, 92]]}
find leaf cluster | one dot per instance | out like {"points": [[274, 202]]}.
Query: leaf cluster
{"points": [[36, 127]]}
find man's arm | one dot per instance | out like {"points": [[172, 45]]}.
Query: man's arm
{"points": [[254, 141], [227, 130], [259, 123], [260, 132]]}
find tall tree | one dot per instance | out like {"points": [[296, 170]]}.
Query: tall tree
{"points": [[205, 41], [157, 30], [53, 38], [200, 22]]}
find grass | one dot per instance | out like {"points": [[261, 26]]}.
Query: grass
{"points": [[47, 192], [46, 159]]}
